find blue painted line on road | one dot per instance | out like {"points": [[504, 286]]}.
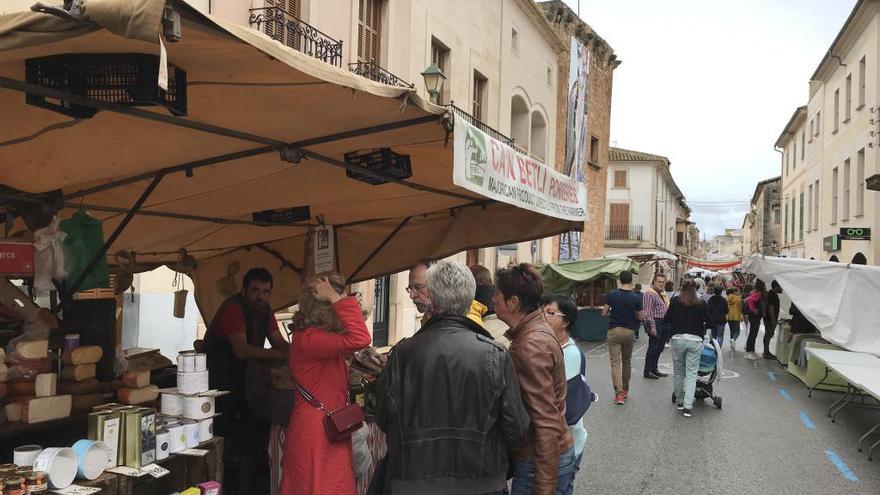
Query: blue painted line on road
{"points": [[807, 422], [772, 376], [785, 394], [841, 466]]}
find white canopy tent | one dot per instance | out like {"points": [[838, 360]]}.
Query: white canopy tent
{"points": [[840, 299]]}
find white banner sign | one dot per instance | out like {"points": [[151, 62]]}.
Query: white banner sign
{"points": [[324, 250], [493, 169]]}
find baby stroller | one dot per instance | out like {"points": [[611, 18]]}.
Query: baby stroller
{"points": [[710, 370]]}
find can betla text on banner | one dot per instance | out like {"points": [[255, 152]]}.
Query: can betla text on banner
{"points": [[495, 170]]}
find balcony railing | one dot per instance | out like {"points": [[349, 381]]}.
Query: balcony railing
{"points": [[623, 233], [479, 124], [297, 34], [373, 71]]}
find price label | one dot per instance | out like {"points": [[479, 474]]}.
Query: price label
{"points": [[194, 452], [155, 470], [127, 471], [77, 490]]}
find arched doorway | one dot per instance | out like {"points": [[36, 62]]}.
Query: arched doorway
{"points": [[538, 145], [859, 259], [834, 258]]}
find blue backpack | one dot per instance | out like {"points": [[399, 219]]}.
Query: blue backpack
{"points": [[579, 396]]}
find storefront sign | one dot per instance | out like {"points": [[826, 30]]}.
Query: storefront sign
{"points": [[831, 243], [493, 169], [324, 250], [855, 234]]}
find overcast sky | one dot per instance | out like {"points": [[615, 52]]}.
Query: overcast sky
{"points": [[710, 85]]}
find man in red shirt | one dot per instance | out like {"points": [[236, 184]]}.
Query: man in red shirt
{"points": [[236, 335]]}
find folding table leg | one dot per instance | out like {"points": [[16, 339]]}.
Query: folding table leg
{"points": [[839, 401], [820, 382], [849, 398], [868, 434], [871, 450]]}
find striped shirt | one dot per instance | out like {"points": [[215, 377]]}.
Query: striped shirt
{"points": [[655, 307]]}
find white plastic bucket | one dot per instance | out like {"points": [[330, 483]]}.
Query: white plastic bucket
{"points": [[25, 455], [59, 463], [93, 458]]}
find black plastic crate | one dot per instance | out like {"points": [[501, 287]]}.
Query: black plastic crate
{"points": [[129, 79], [381, 161]]}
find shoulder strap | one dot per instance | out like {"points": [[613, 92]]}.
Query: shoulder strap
{"points": [[310, 398], [583, 363]]}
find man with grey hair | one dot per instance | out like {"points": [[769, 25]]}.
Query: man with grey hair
{"points": [[449, 400]]}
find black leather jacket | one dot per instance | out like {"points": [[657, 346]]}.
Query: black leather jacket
{"points": [[449, 403]]}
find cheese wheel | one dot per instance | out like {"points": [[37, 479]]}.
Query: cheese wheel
{"points": [[46, 408], [32, 349], [136, 379], [46, 385], [85, 403], [78, 373], [136, 396], [87, 354], [23, 389], [13, 412]]}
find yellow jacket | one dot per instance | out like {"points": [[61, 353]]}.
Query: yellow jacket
{"points": [[734, 308], [476, 313]]}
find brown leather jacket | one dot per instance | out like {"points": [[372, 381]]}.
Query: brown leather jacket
{"points": [[540, 367]]}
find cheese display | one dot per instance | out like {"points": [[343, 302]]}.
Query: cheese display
{"points": [[87, 354], [45, 408], [78, 372], [32, 349], [46, 385], [136, 379], [136, 396]]}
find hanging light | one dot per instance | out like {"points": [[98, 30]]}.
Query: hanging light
{"points": [[434, 78]]}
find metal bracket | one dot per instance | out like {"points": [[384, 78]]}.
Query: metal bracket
{"points": [[72, 10], [290, 154], [171, 24]]}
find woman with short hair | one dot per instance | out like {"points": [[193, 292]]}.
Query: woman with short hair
{"points": [[545, 459], [328, 328], [688, 318]]}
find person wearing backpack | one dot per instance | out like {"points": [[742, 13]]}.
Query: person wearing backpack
{"points": [[561, 313], [755, 305]]}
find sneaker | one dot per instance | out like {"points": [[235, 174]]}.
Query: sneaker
{"points": [[768, 355], [652, 375], [625, 393], [751, 356], [619, 398], [679, 407], [686, 413]]}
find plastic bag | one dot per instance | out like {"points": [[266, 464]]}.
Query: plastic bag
{"points": [[49, 259], [85, 239]]}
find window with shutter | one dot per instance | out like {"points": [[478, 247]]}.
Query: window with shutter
{"points": [[440, 58], [619, 220], [620, 178], [275, 26], [369, 30]]}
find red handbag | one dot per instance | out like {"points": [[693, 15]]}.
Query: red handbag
{"points": [[338, 424]]}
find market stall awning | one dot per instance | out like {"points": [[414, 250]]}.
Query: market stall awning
{"points": [[840, 299], [559, 278], [250, 101]]}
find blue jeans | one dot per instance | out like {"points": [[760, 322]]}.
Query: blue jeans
{"points": [[524, 475], [718, 333], [569, 490], [734, 329], [685, 364]]}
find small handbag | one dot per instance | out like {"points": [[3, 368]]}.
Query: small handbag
{"points": [[338, 424]]}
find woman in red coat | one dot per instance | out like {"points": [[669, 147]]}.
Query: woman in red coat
{"points": [[329, 328]]}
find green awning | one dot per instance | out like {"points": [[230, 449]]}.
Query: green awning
{"points": [[559, 278]]}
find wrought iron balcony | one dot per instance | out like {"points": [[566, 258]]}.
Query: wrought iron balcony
{"points": [[373, 71], [623, 233], [286, 28], [479, 124]]}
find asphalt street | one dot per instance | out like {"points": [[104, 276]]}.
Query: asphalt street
{"points": [[769, 438]]}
